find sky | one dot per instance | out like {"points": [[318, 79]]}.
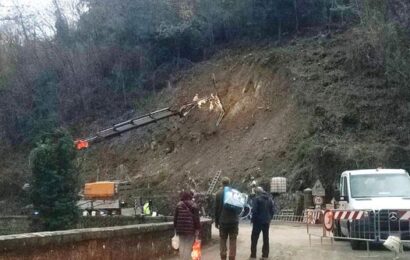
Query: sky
{"points": [[31, 6], [40, 12]]}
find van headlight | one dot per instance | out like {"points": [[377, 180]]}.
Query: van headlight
{"points": [[366, 214]]}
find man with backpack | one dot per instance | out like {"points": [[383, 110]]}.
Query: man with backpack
{"points": [[227, 221], [262, 214]]}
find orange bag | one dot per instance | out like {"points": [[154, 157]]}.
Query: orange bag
{"points": [[196, 250]]}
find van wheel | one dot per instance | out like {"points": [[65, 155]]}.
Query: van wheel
{"points": [[356, 245]]}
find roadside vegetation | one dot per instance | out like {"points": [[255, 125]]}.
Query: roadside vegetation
{"points": [[55, 183]]}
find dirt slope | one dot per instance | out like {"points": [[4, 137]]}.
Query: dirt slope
{"points": [[306, 110], [302, 110], [260, 120]]}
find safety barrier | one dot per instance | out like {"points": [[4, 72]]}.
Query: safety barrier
{"points": [[283, 216], [358, 225], [287, 215], [364, 226], [312, 216], [288, 218], [393, 223]]}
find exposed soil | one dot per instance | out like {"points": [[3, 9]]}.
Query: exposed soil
{"points": [[301, 110], [261, 117]]}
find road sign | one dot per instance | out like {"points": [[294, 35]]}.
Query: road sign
{"points": [[318, 189], [318, 200], [328, 220]]}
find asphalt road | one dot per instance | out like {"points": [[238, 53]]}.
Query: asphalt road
{"points": [[290, 241]]}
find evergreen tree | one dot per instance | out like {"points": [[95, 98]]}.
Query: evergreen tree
{"points": [[55, 182]]}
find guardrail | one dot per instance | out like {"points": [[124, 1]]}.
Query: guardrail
{"points": [[365, 226]]}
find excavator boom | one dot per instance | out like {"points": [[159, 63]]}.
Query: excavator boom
{"points": [[126, 126], [147, 119]]}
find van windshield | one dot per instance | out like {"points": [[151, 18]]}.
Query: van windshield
{"points": [[380, 185]]}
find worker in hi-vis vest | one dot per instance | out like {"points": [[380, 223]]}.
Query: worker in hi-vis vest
{"points": [[147, 208]]}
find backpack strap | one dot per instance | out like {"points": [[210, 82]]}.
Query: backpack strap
{"points": [[223, 196], [189, 209]]}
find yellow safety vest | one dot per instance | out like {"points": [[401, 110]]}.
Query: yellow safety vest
{"points": [[147, 210]]}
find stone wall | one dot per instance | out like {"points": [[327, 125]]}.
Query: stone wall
{"points": [[14, 225], [110, 221], [21, 224], [145, 241]]}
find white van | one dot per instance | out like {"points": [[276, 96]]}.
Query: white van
{"points": [[384, 194]]}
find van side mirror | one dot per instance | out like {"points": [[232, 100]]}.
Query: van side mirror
{"points": [[344, 198], [340, 197]]}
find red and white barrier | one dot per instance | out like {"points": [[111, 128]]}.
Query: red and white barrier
{"points": [[405, 216], [351, 215], [312, 216]]}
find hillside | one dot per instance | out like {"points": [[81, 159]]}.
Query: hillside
{"points": [[309, 89], [299, 111]]}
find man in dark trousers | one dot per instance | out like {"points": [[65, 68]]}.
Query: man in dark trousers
{"points": [[262, 213], [226, 220]]}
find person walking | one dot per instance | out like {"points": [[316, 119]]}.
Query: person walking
{"points": [[227, 221], [262, 214], [186, 224]]}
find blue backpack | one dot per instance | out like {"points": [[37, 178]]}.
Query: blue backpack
{"points": [[234, 199]]}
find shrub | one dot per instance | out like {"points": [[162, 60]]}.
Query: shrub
{"points": [[55, 183]]}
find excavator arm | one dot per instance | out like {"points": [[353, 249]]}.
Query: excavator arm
{"points": [[148, 119]]}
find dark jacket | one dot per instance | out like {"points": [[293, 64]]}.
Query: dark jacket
{"points": [[262, 209], [186, 218], [224, 216]]}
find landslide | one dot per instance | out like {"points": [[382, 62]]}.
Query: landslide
{"points": [[307, 110], [260, 120]]}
